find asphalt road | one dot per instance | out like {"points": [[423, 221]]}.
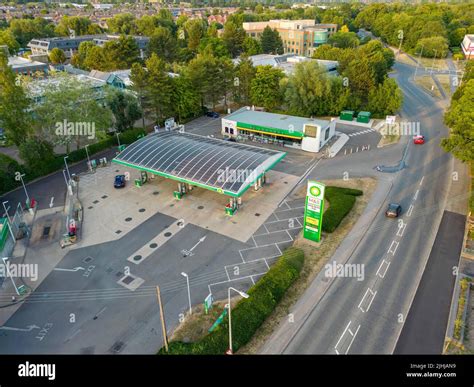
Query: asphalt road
{"points": [[367, 316], [51, 187], [425, 328]]}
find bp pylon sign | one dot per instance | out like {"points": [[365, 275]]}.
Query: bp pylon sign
{"points": [[313, 211]]}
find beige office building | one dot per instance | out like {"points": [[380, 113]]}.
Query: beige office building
{"points": [[299, 37]]}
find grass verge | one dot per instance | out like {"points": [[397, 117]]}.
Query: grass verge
{"points": [[316, 256], [248, 314]]}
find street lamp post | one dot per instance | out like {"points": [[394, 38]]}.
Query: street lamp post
{"points": [[5, 259], [244, 295], [118, 137], [67, 168], [65, 177], [20, 177], [419, 60], [189, 292]]}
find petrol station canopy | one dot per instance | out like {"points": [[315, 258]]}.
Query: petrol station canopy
{"points": [[222, 166]]}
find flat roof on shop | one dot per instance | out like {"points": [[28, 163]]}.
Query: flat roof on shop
{"points": [[281, 122]]}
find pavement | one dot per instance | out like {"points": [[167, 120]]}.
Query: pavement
{"points": [[425, 327]]}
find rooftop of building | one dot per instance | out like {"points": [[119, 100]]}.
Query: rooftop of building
{"points": [[274, 120], [18, 61]]}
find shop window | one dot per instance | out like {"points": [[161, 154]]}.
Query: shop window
{"points": [[226, 129], [231, 131], [326, 135]]}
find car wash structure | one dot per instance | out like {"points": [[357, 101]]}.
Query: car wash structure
{"points": [[307, 134], [225, 167]]}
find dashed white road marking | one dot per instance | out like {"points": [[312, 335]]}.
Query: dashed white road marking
{"points": [[353, 334], [401, 229], [421, 181], [410, 210], [382, 270], [393, 247], [370, 295], [416, 194], [353, 338]]}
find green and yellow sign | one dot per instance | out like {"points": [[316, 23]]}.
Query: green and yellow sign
{"points": [[313, 211]]}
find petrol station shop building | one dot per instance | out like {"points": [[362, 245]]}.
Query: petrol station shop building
{"points": [[307, 134]]}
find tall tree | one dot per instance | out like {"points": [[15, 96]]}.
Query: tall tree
{"points": [[195, 30], [125, 109], [14, 104], [68, 101], [271, 41], [244, 75], [460, 119], [121, 53], [233, 37], [57, 56], [265, 87], [163, 44], [159, 88]]}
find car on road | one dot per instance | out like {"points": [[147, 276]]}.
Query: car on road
{"points": [[212, 114], [393, 210], [119, 181], [419, 139]]}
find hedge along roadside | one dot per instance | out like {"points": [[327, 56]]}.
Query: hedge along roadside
{"points": [[341, 200], [9, 166], [249, 314]]}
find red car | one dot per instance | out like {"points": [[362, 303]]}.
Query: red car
{"points": [[419, 139]]}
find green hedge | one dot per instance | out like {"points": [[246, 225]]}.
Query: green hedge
{"points": [[341, 200], [8, 166], [249, 314]]}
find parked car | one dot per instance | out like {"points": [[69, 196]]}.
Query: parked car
{"points": [[119, 181], [212, 114], [393, 210], [419, 139], [231, 139]]}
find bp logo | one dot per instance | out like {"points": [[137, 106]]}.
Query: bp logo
{"points": [[315, 191]]}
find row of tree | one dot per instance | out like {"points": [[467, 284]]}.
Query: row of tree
{"points": [[460, 119], [427, 29]]}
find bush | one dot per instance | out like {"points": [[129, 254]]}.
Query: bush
{"points": [[8, 167], [37, 166], [249, 314], [341, 201]]}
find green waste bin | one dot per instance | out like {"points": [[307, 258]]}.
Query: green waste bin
{"points": [[178, 195], [346, 115], [138, 183], [364, 117]]}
